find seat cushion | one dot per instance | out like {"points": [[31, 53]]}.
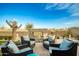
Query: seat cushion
{"points": [[53, 48], [12, 46], [32, 42], [56, 48], [66, 44], [24, 50], [46, 42]]}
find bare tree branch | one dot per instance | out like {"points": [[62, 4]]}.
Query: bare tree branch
{"points": [[8, 23]]}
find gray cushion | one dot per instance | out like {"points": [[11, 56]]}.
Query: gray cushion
{"points": [[32, 42], [56, 48], [12, 46], [46, 42], [66, 44], [24, 50]]}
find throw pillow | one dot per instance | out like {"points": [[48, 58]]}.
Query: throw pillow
{"points": [[12, 46], [66, 44]]}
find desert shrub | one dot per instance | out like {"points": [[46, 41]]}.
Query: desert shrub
{"points": [[2, 41]]}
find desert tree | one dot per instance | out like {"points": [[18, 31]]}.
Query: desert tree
{"points": [[14, 26], [28, 27]]}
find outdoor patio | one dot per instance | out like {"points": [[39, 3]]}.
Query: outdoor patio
{"points": [[41, 51]]}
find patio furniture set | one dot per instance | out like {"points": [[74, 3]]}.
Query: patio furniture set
{"points": [[25, 48], [65, 48]]}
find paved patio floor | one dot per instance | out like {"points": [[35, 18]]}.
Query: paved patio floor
{"points": [[39, 49]]}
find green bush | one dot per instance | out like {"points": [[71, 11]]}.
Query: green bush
{"points": [[2, 41]]}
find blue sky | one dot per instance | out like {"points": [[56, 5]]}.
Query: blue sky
{"points": [[41, 15]]}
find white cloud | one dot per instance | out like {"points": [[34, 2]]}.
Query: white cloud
{"points": [[57, 6], [73, 9], [50, 6], [75, 14], [62, 6]]}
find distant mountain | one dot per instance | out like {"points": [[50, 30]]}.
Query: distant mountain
{"points": [[74, 31], [74, 28]]}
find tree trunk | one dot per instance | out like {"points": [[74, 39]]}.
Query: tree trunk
{"points": [[14, 34]]}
